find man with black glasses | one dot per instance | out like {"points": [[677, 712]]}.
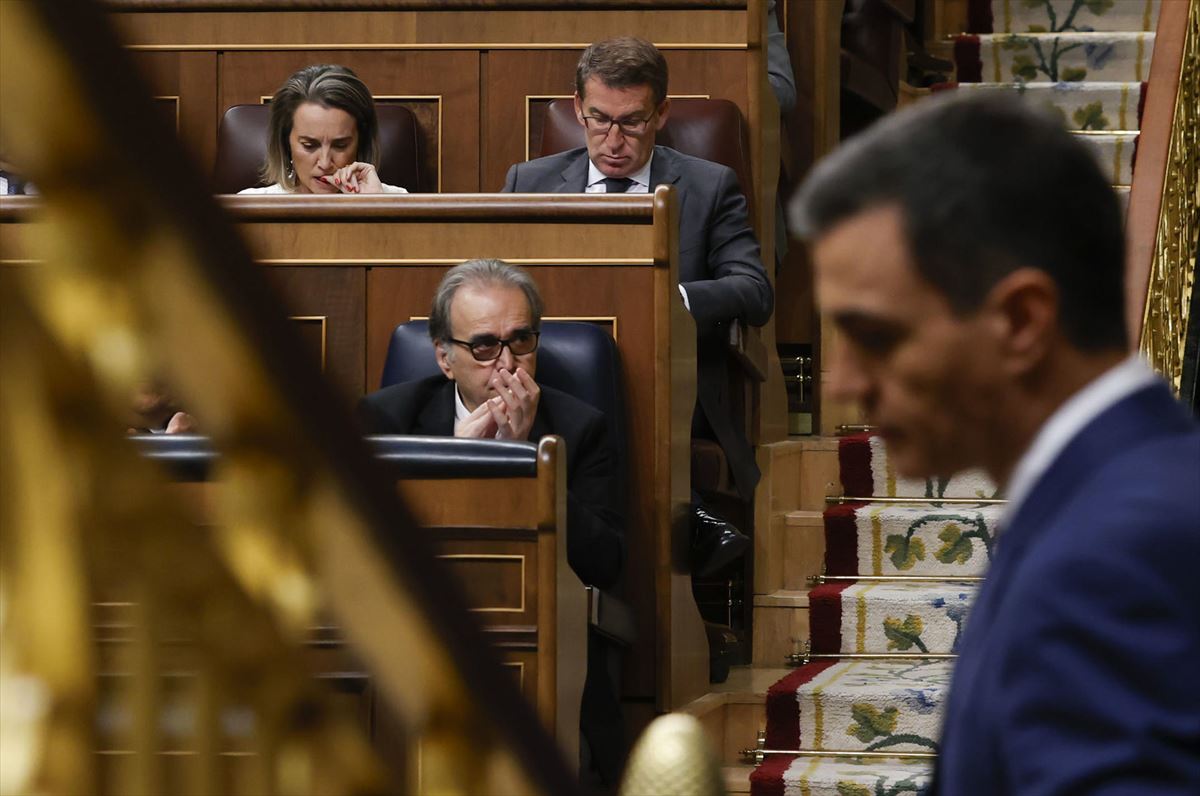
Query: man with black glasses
{"points": [[484, 324]]}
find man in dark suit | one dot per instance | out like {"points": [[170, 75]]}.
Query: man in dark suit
{"points": [[484, 325], [621, 101], [970, 252]]}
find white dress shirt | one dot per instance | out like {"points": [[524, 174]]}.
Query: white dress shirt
{"points": [[1103, 392], [641, 179], [641, 184]]}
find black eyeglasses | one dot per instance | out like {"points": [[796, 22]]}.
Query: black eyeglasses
{"points": [[601, 125], [488, 347]]}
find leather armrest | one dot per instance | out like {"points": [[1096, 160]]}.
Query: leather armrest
{"points": [[610, 616]]}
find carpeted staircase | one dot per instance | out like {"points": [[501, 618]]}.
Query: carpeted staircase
{"points": [[900, 575], [900, 567]]}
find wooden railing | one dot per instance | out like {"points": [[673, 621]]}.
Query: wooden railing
{"points": [[1163, 225]]}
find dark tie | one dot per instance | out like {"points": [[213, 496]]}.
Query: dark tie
{"points": [[617, 184]]}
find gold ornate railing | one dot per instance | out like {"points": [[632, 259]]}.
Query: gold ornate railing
{"points": [[130, 269], [1164, 221]]}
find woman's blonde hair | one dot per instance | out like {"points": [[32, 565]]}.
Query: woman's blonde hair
{"points": [[327, 85]]}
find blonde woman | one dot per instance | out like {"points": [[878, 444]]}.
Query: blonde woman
{"points": [[324, 136]]}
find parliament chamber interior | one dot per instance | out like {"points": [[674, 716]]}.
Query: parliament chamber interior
{"points": [[288, 479]]}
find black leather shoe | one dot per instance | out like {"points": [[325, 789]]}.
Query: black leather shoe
{"points": [[715, 542]]}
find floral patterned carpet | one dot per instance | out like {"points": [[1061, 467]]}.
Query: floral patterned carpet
{"points": [[883, 706], [883, 633]]}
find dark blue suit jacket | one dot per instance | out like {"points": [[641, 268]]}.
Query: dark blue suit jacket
{"points": [[719, 267], [1079, 670]]}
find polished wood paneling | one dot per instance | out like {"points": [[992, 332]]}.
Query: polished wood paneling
{"points": [[329, 307], [442, 89], [310, 30], [187, 80]]}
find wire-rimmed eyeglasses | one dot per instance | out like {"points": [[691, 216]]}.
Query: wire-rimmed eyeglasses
{"points": [[488, 347]]}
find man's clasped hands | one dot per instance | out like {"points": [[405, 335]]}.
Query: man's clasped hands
{"points": [[509, 413]]}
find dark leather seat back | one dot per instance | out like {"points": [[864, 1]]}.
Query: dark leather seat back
{"points": [[712, 129], [242, 147], [577, 358]]}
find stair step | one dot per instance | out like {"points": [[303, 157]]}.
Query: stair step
{"points": [[859, 706], [737, 777], [882, 539], [1030, 57], [781, 627], [1114, 151], [1128, 15], [866, 471], [888, 617], [841, 776], [1083, 106]]}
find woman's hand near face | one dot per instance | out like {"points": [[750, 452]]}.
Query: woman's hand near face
{"points": [[356, 178]]}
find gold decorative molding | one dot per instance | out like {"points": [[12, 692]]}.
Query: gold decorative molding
{"points": [[174, 98], [609, 319], [1172, 274], [321, 319]]}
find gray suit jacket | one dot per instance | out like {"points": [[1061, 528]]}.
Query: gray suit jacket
{"points": [[719, 267]]}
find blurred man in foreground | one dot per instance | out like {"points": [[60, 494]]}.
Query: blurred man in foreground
{"points": [[970, 253]]}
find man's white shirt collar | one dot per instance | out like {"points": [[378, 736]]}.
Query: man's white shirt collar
{"points": [[460, 409], [641, 178], [1103, 392]]}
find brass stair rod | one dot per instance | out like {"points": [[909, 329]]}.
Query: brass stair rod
{"points": [[801, 658], [817, 579], [853, 428], [837, 500], [759, 752]]}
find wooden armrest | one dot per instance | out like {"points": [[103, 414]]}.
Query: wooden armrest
{"points": [[610, 616], [746, 345]]}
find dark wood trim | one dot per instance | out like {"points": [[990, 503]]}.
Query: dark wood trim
{"points": [[418, 5], [535, 208], [477, 207]]}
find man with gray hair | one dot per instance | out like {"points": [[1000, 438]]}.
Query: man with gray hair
{"points": [[485, 322]]}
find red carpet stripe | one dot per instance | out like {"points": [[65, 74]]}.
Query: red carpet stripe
{"points": [[854, 462], [825, 617], [783, 710], [767, 779], [967, 60], [841, 540]]}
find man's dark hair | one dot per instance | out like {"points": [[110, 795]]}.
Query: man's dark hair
{"points": [[623, 62], [986, 184]]}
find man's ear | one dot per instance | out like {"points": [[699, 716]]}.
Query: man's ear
{"points": [[1023, 309], [664, 111], [579, 109], [442, 353]]}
